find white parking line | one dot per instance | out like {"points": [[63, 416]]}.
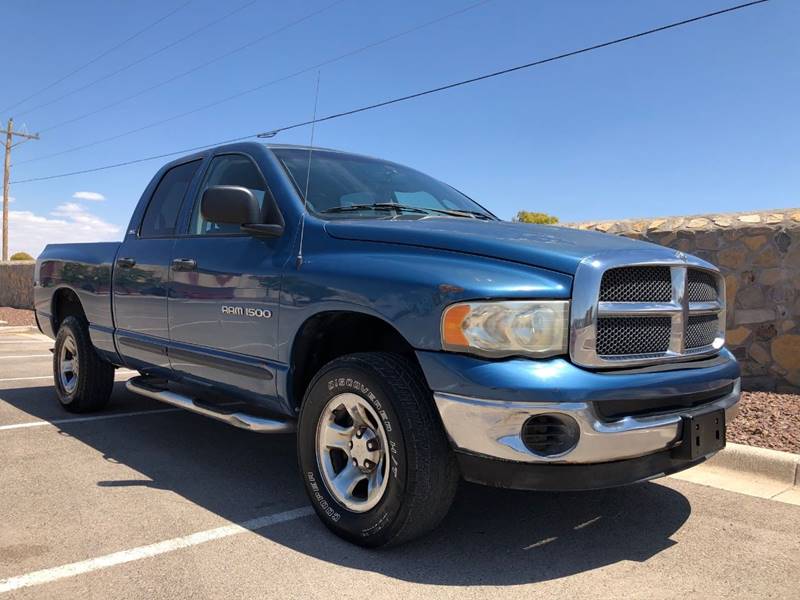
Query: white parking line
{"points": [[28, 356], [126, 556], [124, 373], [135, 413]]}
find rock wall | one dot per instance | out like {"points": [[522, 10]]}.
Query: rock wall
{"points": [[16, 283], [759, 254]]}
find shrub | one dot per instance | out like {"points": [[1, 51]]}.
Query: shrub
{"points": [[524, 216], [21, 256]]}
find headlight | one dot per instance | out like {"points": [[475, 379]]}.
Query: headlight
{"points": [[531, 328]]}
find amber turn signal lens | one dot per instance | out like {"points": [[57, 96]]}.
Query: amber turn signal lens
{"points": [[452, 331]]}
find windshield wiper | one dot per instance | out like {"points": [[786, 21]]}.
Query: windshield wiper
{"points": [[407, 208], [376, 206]]}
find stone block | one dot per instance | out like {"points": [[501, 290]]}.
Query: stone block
{"points": [[786, 351], [750, 218], [754, 242], [759, 353], [736, 337], [733, 257], [756, 315], [750, 297], [767, 257]]}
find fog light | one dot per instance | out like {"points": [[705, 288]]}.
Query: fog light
{"points": [[550, 434]]}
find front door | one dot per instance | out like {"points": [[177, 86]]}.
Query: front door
{"points": [[141, 273], [224, 294]]}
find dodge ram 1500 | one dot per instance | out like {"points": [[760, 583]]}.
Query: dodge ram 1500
{"points": [[407, 335]]}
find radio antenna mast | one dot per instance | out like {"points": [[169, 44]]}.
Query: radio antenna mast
{"points": [[299, 261]]}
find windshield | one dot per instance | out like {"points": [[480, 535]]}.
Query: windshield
{"points": [[349, 186]]}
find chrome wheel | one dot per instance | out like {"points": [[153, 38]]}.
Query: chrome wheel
{"points": [[352, 452], [68, 365]]}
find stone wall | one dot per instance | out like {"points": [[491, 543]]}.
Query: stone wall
{"points": [[759, 254], [16, 283]]}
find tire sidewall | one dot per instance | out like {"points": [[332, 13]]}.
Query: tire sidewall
{"points": [[376, 525], [66, 330]]}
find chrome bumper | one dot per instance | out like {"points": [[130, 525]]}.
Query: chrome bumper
{"points": [[492, 428]]}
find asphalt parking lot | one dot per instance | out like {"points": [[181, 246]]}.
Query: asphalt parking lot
{"points": [[147, 501]]}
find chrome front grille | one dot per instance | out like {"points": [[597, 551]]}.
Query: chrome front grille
{"points": [[656, 311], [701, 286], [632, 335], [701, 330], [636, 284]]}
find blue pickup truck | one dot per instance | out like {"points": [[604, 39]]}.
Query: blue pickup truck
{"points": [[406, 334]]}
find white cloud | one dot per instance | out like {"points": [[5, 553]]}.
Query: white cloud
{"points": [[11, 199], [91, 196], [29, 232]]}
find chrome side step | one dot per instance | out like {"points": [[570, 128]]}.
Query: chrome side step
{"points": [[139, 385]]}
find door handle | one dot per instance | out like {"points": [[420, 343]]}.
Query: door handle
{"points": [[184, 264], [126, 263]]}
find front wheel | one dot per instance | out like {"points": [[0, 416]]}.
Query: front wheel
{"points": [[84, 381], [373, 455]]}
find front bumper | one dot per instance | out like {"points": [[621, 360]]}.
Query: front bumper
{"points": [[493, 428], [630, 422]]}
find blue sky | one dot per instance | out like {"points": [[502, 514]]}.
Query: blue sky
{"points": [[701, 119]]}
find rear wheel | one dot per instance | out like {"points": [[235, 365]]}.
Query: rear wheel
{"points": [[83, 380], [374, 457]]}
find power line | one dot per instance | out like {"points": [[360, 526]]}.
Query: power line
{"points": [[143, 58], [99, 56], [449, 86], [260, 86], [198, 67]]}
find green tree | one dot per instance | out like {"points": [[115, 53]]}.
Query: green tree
{"points": [[21, 256], [524, 216]]}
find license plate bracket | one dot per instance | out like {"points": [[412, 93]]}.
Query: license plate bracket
{"points": [[702, 434]]}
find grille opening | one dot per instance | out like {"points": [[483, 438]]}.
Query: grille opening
{"points": [[636, 284], [701, 286], [550, 434], [701, 330], [618, 336]]}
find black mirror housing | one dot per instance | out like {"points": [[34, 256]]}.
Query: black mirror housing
{"points": [[230, 204]]}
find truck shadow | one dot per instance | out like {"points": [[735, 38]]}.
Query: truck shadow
{"points": [[490, 537]]}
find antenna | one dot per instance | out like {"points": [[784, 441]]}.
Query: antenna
{"points": [[299, 261]]}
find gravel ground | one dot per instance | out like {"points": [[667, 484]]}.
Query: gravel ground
{"points": [[768, 420], [16, 316]]}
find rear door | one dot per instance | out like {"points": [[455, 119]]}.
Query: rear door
{"points": [[141, 272], [223, 306]]}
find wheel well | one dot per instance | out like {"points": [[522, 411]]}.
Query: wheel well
{"points": [[329, 335], [66, 304]]}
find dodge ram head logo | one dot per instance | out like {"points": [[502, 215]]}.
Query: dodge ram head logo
{"points": [[246, 311]]}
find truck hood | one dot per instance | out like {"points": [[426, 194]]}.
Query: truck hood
{"points": [[554, 248]]}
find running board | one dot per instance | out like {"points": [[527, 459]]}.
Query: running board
{"points": [[139, 385]]}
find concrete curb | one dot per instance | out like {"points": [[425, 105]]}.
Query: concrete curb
{"points": [[753, 471], [5, 329], [783, 467]]}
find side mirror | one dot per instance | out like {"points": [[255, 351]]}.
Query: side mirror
{"points": [[230, 204], [235, 205]]}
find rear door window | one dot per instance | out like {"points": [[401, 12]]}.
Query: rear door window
{"points": [[161, 216]]}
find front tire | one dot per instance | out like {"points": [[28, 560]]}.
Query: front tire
{"points": [[83, 380], [373, 455]]}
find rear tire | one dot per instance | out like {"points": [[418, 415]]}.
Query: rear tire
{"points": [[405, 475], [83, 380]]}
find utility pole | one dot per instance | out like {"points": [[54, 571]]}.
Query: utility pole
{"points": [[10, 133]]}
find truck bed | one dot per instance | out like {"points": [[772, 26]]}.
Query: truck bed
{"points": [[86, 270]]}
